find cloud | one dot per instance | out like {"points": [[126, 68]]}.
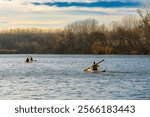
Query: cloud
{"points": [[3, 22], [59, 13], [104, 4], [36, 22]]}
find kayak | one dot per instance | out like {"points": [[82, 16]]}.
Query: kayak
{"points": [[95, 71], [28, 62], [92, 65]]}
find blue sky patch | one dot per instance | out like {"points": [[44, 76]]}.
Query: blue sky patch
{"points": [[103, 4]]}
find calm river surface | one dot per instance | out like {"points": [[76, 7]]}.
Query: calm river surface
{"points": [[62, 77]]}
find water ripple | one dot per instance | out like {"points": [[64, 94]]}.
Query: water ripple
{"points": [[62, 77]]}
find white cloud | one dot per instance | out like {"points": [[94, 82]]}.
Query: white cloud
{"points": [[20, 13]]}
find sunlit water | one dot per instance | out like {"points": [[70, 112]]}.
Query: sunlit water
{"points": [[62, 77]]}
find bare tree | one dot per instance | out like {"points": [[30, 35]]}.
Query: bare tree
{"points": [[144, 14]]}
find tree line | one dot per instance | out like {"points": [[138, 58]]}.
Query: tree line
{"points": [[129, 36]]}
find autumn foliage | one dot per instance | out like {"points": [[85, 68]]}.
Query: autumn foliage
{"points": [[129, 36]]}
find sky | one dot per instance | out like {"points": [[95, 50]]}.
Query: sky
{"points": [[59, 13]]}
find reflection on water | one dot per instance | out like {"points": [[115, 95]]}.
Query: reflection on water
{"points": [[62, 77]]}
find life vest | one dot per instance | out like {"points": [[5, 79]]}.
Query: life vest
{"points": [[94, 67]]}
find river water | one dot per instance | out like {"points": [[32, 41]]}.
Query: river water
{"points": [[54, 77]]}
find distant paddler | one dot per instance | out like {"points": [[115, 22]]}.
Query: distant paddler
{"points": [[27, 60], [31, 59], [94, 67]]}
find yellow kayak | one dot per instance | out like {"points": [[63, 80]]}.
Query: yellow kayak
{"points": [[95, 71]]}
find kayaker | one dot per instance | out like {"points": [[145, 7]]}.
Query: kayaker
{"points": [[95, 66], [31, 59], [27, 60]]}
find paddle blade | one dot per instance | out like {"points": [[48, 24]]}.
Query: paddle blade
{"points": [[100, 61]]}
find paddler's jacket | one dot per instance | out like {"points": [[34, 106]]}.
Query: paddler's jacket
{"points": [[94, 66]]}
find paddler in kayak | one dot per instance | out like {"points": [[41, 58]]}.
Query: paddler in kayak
{"points": [[31, 59], [95, 66], [27, 60]]}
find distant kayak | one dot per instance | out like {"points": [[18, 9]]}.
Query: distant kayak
{"points": [[28, 62], [29, 59]]}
